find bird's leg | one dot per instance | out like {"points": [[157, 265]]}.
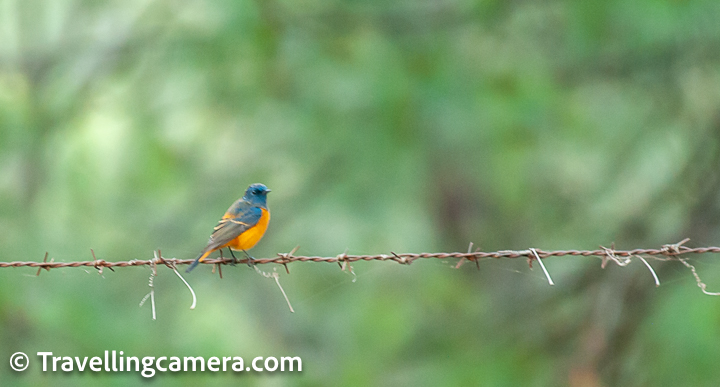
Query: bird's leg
{"points": [[250, 259], [233, 255]]}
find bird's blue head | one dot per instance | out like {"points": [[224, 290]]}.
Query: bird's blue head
{"points": [[257, 194]]}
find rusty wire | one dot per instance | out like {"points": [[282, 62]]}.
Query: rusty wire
{"points": [[344, 260], [666, 252]]}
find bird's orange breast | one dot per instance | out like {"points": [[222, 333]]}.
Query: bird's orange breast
{"points": [[251, 236]]}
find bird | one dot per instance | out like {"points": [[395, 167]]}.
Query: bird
{"points": [[242, 226]]}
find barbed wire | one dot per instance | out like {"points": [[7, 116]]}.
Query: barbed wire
{"points": [[666, 252], [620, 257]]}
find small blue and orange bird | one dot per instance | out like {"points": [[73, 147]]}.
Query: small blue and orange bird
{"points": [[242, 226]]}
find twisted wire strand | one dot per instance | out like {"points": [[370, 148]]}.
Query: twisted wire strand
{"points": [[666, 252]]}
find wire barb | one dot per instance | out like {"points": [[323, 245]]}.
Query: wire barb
{"points": [[342, 260], [535, 253], [468, 257], [153, 274], [285, 256], [401, 260], [610, 254], [44, 261], [657, 280], [97, 263], [674, 249]]}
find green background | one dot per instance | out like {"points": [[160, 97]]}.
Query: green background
{"points": [[406, 126]]}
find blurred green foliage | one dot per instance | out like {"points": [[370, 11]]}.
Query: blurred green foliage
{"points": [[410, 126]]}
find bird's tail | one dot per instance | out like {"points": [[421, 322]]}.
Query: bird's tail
{"points": [[199, 259]]}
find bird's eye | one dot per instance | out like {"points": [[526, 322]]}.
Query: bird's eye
{"points": [[256, 192]]}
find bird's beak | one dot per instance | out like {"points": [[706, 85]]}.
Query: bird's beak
{"points": [[268, 190]]}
